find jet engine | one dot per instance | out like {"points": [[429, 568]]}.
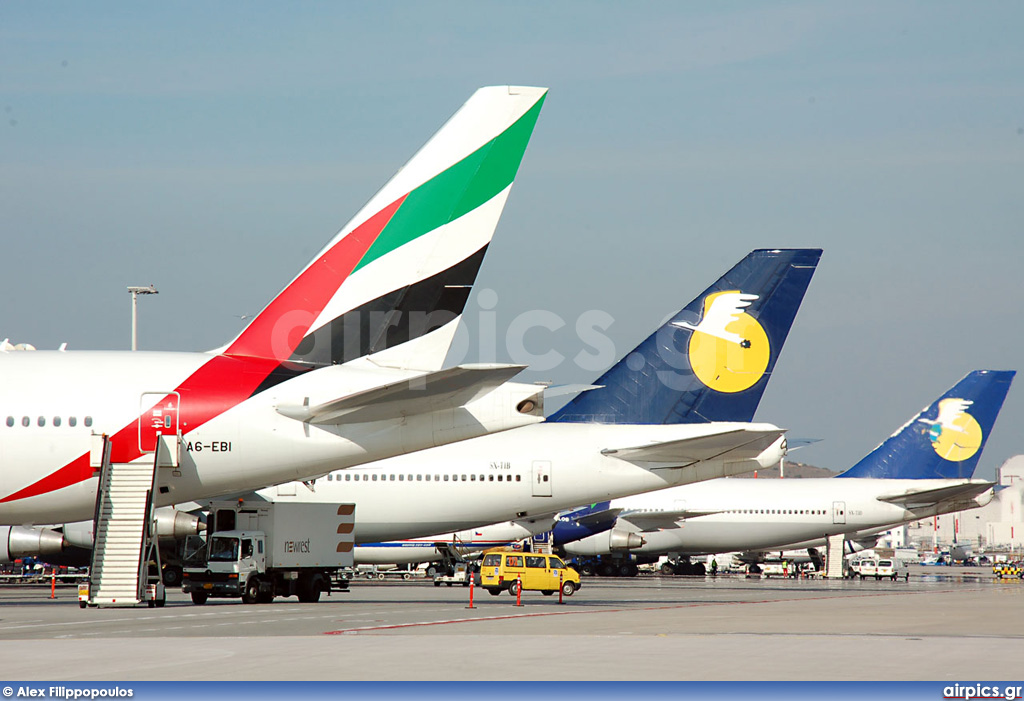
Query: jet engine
{"points": [[25, 541]]}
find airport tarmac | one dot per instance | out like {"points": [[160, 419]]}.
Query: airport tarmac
{"points": [[934, 627]]}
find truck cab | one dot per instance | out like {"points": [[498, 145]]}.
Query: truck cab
{"points": [[232, 566]]}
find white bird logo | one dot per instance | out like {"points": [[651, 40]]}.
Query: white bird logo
{"points": [[949, 411], [725, 309]]}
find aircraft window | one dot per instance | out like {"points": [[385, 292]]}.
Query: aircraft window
{"points": [[10, 421], [25, 421], [167, 422], [481, 478], [348, 478], [419, 478], [56, 421], [72, 421], [366, 478], [519, 478], [499, 478], [490, 478], [410, 478], [463, 478], [41, 421], [392, 478], [375, 478], [88, 421], [401, 478], [446, 478], [545, 478], [330, 478]]}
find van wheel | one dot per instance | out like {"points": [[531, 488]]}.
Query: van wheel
{"points": [[492, 591], [568, 588], [513, 587], [199, 598], [547, 593]]}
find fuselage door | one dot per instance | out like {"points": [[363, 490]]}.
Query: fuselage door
{"points": [[158, 415], [541, 478], [839, 512]]}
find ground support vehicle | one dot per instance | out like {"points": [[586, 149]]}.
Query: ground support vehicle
{"points": [[258, 550], [508, 570], [1008, 570], [892, 569]]}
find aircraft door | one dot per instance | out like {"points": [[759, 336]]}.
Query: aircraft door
{"points": [[541, 478], [158, 416], [839, 512]]}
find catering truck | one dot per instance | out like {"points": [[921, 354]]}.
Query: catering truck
{"points": [[257, 550]]}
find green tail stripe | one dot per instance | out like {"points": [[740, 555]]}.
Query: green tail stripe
{"points": [[460, 189]]}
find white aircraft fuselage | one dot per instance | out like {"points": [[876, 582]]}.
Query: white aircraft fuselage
{"points": [[755, 514], [525, 474], [232, 436]]}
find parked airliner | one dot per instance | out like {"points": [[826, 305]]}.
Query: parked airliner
{"points": [[673, 411], [923, 469], [327, 376]]}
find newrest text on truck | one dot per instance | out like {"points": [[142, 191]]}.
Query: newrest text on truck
{"points": [[257, 550]]}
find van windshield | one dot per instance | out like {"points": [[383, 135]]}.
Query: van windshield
{"points": [[885, 563]]}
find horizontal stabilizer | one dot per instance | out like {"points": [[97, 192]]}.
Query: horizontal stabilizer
{"points": [[444, 389], [646, 521], [737, 444], [931, 497]]}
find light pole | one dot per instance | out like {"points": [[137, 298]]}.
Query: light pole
{"points": [[135, 292]]}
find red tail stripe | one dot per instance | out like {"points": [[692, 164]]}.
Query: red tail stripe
{"points": [[227, 380]]}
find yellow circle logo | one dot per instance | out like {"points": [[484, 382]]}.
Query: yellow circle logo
{"points": [[955, 434], [728, 349]]}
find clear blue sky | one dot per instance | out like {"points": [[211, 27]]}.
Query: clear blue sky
{"points": [[213, 148]]}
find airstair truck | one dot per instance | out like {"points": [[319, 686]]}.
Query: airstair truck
{"points": [[257, 550]]}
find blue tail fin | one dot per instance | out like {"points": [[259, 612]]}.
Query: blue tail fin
{"points": [[946, 439], [712, 361]]}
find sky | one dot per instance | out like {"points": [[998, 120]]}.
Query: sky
{"points": [[212, 149]]}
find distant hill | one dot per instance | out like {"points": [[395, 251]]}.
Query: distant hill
{"points": [[794, 470]]}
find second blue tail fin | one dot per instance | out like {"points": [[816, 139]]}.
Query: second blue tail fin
{"points": [[946, 439], [711, 361]]}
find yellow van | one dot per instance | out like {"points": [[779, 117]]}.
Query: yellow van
{"points": [[501, 569]]}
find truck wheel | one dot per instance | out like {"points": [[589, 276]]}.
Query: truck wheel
{"points": [[437, 584], [172, 576], [568, 588], [309, 589], [432, 571], [252, 591], [199, 597], [406, 576], [587, 570]]}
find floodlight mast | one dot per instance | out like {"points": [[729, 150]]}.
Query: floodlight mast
{"points": [[135, 292]]}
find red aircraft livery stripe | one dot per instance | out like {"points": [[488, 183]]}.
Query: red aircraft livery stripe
{"points": [[226, 380]]}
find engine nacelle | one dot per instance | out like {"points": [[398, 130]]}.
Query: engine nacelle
{"points": [[624, 540], [171, 523], [25, 541]]}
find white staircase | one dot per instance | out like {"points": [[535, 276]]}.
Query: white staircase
{"points": [[124, 539], [834, 556]]}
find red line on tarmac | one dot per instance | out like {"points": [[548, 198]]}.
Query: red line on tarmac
{"points": [[421, 624]]}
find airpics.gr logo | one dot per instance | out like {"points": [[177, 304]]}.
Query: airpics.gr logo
{"points": [[955, 435], [728, 349]]}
